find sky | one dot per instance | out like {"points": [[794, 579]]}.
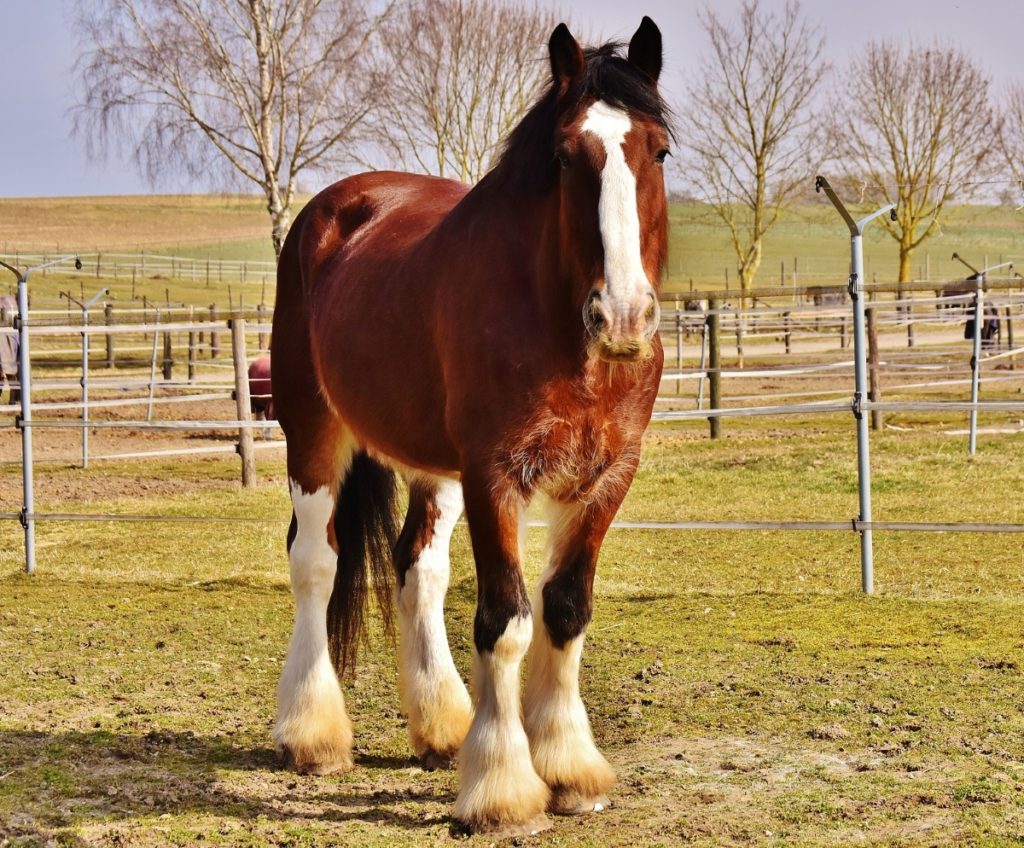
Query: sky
{"points": [[40, 157]]}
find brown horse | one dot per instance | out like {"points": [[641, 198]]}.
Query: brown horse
{"points": [[487, 344]]}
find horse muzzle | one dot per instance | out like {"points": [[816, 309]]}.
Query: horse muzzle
{"points": [[622, 329]]}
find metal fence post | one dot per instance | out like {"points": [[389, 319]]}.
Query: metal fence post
{"points": [[979, 317], [28, 522], [860, 402], [245, 441], [714, 365]]}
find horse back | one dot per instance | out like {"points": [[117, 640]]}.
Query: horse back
{"points": [[354, 310]]}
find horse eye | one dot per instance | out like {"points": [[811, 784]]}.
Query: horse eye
{"points": [[660, 156], [562, 157]]}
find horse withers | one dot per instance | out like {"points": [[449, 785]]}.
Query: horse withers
{"points": [[488, 344]]}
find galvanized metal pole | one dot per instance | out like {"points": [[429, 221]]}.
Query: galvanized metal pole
{"points": [[856, 289], [152, 370], [703, 363], [979, 317], [85, 386], [867, 557], [25, 381]]}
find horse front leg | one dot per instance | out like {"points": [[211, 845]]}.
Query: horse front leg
{"points": [[561, 742], [499, 791]]}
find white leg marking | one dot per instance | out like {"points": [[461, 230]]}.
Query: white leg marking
{"points": [[561, 742], [434, 697], [312, 724], [497, 783], [619, 218]]}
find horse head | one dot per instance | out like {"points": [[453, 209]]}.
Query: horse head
{"points": [[610, 142]]}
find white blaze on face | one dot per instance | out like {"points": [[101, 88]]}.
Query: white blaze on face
{"points": [[624, 274]]}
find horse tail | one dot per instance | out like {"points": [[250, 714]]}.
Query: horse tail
{"points": [[366, 525]]}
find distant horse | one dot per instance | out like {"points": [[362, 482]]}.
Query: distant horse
{"points": [[261, 401], [9, 347], [487, 344]]}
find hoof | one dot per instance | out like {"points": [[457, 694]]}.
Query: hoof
{"points": [[570, 802], [307, 764], [506, 830], [436, 761]]}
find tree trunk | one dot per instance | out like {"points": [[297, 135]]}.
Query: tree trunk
{"points": [[280, 218], [905, 254]]}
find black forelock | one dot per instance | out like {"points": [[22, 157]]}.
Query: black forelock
{"points": [[527, 160]]}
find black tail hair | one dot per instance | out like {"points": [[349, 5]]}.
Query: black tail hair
{"points": [[366, 528]]}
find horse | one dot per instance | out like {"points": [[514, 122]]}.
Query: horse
{"points": [[9, 347], [261, 401], [488, 344]]}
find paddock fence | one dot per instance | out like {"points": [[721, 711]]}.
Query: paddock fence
{"points": [[723, 360]]}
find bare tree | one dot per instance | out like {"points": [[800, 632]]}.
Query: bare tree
{"points": [[260, 89], [747, 122], [462, 75], [914, 126], [1011, 140]]}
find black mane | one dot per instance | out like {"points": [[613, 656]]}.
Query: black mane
{"points": [[527, 161]]}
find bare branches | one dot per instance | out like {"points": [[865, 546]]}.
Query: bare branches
{"points": [[254, 88], [1011, 139], [747, 122], [464, 73], [914, 126]]}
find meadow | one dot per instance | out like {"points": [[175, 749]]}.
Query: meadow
{"points": [[810, 239], [743, 688]]}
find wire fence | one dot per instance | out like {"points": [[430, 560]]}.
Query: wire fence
{"points": [[797, 353]]}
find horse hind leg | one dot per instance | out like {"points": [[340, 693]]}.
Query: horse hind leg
{"points": [[434, 698], [313, 731]]}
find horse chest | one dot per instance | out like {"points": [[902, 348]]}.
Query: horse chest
{"points": [[568, 458]]}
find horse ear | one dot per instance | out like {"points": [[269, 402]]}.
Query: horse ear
{"points": [[566, 56], [645, 49]]}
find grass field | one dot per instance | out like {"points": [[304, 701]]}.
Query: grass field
{"points": [[745, 691], [236, 227], [743, 688]]}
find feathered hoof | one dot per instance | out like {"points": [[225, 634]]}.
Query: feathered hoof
{"points": [[507, 830], [319, 762], [571, 802]]}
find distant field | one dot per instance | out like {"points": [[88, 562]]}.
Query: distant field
{"points": [[218, 226], [810, 239]]}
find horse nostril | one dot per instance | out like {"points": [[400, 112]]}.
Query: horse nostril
{"points": [[597, 317]]}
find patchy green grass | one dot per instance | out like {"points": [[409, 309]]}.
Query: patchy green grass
{"points": [[745, 691]]}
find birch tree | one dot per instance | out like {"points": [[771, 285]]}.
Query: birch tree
{"points": [[259, 89], [748, 120], [914, 126]]}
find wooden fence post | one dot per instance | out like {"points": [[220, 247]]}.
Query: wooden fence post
{"points": [[714, 363], [261, 317], [108, 319], [214, 335], [788, 335], [245, 441], [1009, 333], [874, 389], [168, 363], [192, 345]]}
